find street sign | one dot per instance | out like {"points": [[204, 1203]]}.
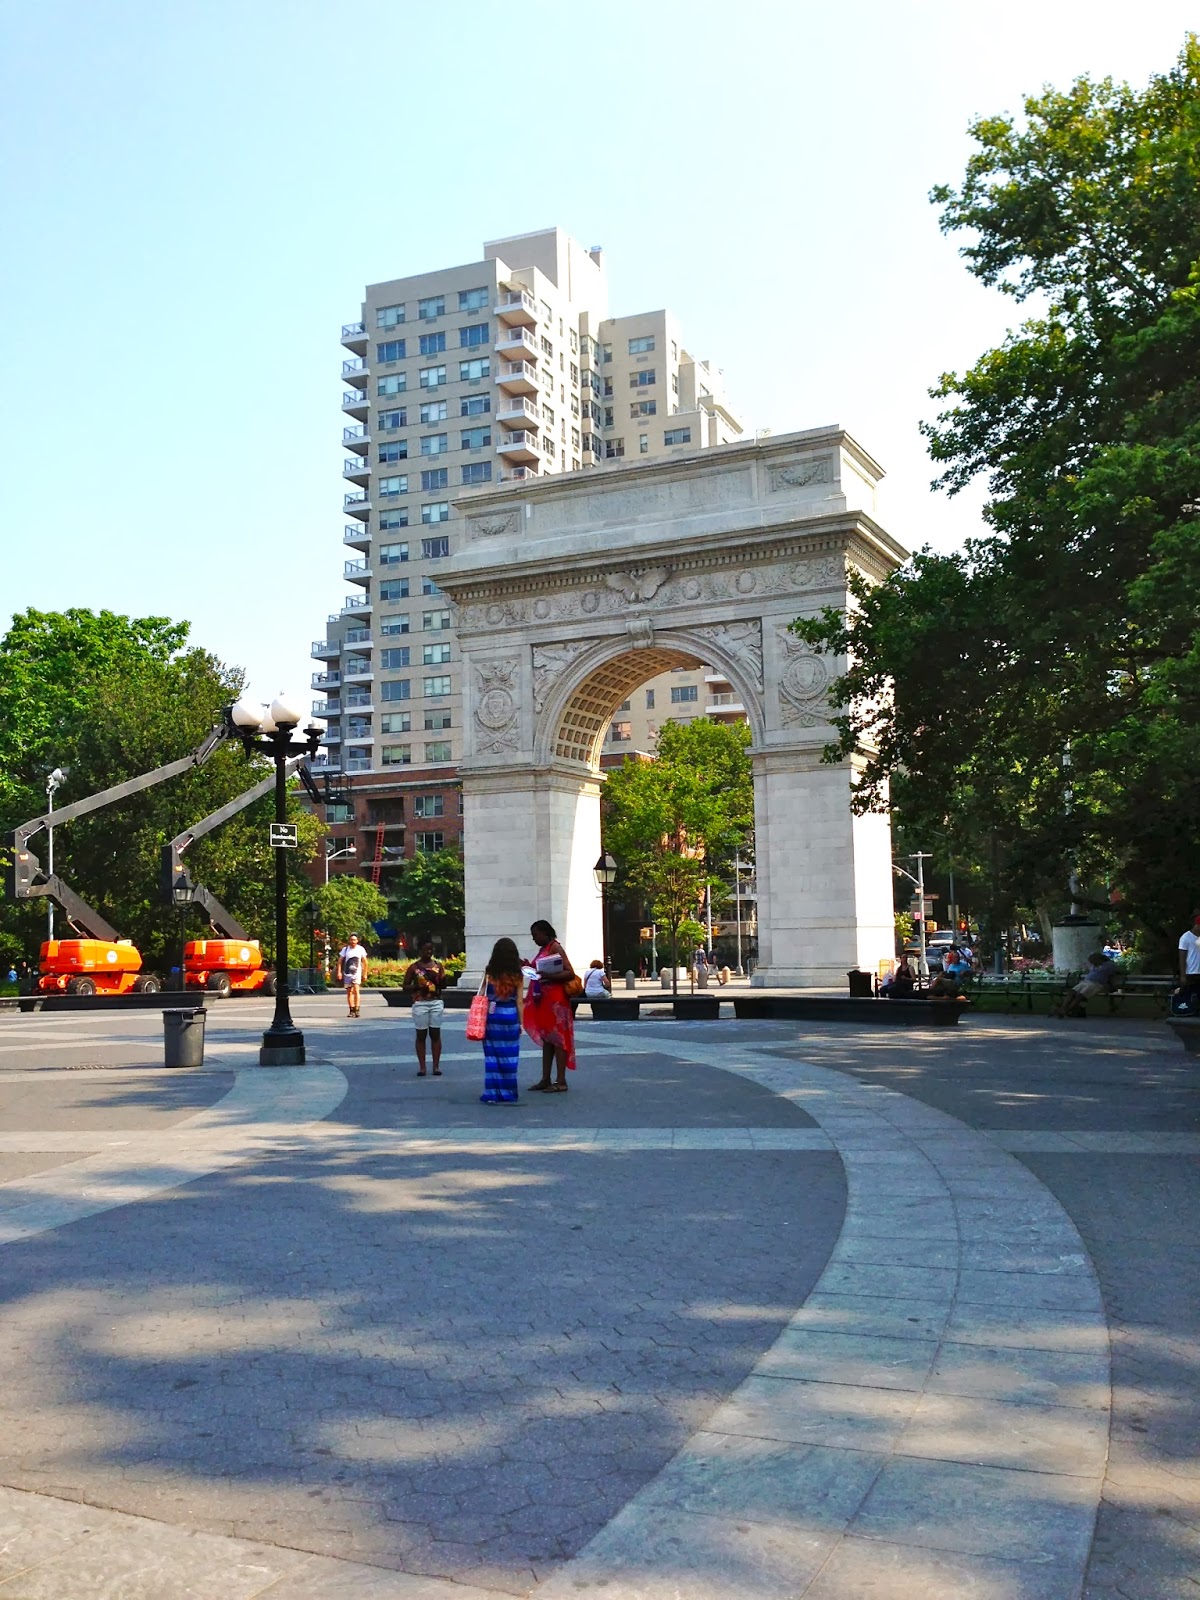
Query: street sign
{"points": [[283, 836]]}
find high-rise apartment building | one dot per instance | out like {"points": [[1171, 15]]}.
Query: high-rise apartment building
{"points": [[501, 370]]}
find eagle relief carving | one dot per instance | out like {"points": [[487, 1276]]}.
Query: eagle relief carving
{"points": [[496, 706], [638, 586]]}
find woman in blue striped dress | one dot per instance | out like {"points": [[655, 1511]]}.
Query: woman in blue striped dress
{"points": [[502, 1041]]}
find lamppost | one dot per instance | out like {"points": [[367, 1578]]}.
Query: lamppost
{"points": [[920, 857], [271, 729], [605, 874], [332, 855], [182, 894], [56, 778]]}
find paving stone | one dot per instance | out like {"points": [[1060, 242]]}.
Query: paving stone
{"points": [[1044, 1377], [837, 1415], [760, 1480], [847, 1358], [869, 1569], [979, 1432]]}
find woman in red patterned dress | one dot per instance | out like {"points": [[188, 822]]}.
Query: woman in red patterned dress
{"points": [[549, 1020]]}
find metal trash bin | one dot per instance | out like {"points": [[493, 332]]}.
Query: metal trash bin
{"points": [[861, 985], [183, 1037]]}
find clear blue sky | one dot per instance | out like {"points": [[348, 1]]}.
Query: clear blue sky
{"points": [[195, 193]]}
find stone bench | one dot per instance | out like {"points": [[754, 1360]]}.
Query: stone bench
{"points": [[922, 1013], [455, 999]]}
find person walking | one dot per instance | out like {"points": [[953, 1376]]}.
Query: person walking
{"points": [[424, 981], [548, 1018], [1189, 964], [505, 988], [351, 970]]}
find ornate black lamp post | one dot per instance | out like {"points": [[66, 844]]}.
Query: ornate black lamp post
{"points": [[271, 729], [605, 874], [182, 895]]}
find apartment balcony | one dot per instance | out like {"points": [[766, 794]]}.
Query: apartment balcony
{"points": [[325, 649], [516, 342], [357, 469], [359, 537], [520, 447], [359, 700], [321, 709], [518, 377], [361, 738], [519, 474], [517, 307], [711, 675], [356, 373], [360, 638], [354, 337], [325, 680], [725, 705], [356, 766], [325, 763], [358, 439], [356, 572], [356, 404], [332, 736], [518, 413], [363, 673], [354, 604], [357, 505]]}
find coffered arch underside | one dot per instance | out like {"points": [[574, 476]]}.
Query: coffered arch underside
{"points": [[573, 715]]}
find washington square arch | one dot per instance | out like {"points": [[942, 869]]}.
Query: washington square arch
{"points": [[572, 590]]}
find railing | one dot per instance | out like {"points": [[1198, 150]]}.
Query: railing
{"points": [[349, 500], [518, 474], [521, 440], [352, 569], [358, 766], [326, 708], [354, 702], [358, 636], [326, 680], [355, 435], [356, 602], [331, 736], [725, 700], [324, 647], [518, 408], [517, 369], [507, 337], [351, 674], [355, 467], [353, 330], [354, 397], [352, 369], [518, 300], [356, 535], [326, 764]]}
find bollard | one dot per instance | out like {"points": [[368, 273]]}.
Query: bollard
{"points": [[630, 980], [183, 1037]]}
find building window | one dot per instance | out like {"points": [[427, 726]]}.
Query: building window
{"points": [[435, 621], [435, 549], [395, 383], [393, 660], [574, 373], [682, 693], [649, 699], [438, 512], [393, 589], [643, 443], [474, 405], [473, 299], [438, 750], [338, 813], [429, 587], [393, 519], [428, 806], [397, 485], [473, 371], [391, 350], [436, 721], [435, 444], [432, 344], [397, 755], [391, 555], [389, 316], [393, 450], [549, 447], [473, 335], [642, 380], [614, 448], [674, 383], [642, 345], [608, 388], [433, 411], [439, 685], [428, 844], [547, 348], [477, 472], [435, 655], [643, 408], [674, 351], [608, 417], [575, 439], [431, 377], [475, 438], [433, 480], [396, 689], [396, 722], [393, 625], [621, 732], [389, 421], [433, 306], [605, 353], [677, 436]]}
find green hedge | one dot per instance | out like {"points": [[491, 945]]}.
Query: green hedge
{"points": [[388, 974]]}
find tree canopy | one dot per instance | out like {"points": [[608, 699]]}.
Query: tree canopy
{"points": [[1031, 700], [428, 898], [106, 697]]}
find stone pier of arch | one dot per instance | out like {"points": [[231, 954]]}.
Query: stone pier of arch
{"points": [[570, 591]]}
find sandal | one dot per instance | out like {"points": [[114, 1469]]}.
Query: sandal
{"points": [[421, 1073], [556, 1088], [534, 1088], [437, 1072]]}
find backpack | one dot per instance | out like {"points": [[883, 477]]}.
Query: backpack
{"points": [[1185, 1002]]}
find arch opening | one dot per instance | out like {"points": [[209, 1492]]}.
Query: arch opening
{"points": [[584, 719]]}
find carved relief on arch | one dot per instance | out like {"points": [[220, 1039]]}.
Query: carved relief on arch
{"points": [[741, 641], [803, 683], [496, 706]]}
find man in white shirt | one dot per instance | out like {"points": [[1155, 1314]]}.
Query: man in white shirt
{"points": [[351, 970], [1189, 959]]}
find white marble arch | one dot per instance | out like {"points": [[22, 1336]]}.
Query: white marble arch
{"points": [[572, 590]]}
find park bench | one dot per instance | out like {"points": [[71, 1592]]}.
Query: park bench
{"points": [[920, 1012]]}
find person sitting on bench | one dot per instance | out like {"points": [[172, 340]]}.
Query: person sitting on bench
{"points": [[1101, 977], [902, 983]]}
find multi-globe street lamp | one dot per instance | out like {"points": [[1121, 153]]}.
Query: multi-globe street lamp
{"points": [[53, 783], [605, 874], [271, 729]]}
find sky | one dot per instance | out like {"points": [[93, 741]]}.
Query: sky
{"points": [[195, 194]]}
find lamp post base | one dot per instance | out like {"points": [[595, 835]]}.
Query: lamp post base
{"points": [[283, 1047]]}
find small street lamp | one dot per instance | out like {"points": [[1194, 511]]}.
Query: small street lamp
{"points": [[338, 850], [920, 857], [271, 730], [53, 783], [183, 893], [605, 874]]}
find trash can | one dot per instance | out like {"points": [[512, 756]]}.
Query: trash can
{"points": [[183, 1037], [861, 986]]}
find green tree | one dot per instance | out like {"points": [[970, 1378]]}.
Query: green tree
{"points": [[107, 698], [1032, 701], [428, 898], [672, 823], [347, 905]]}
